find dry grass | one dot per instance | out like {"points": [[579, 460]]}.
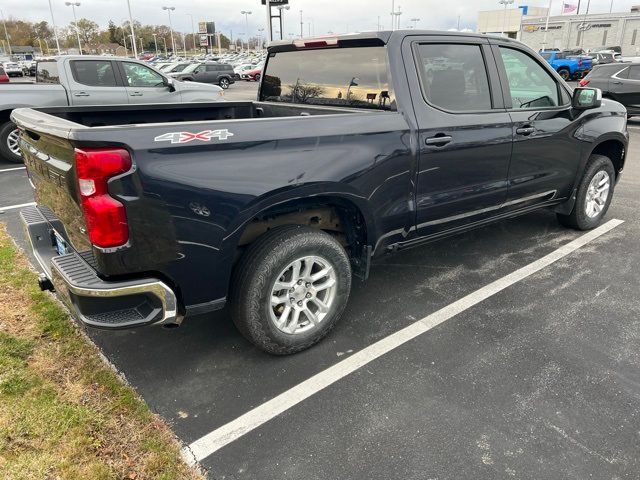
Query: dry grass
{"points": [[63, 413]]}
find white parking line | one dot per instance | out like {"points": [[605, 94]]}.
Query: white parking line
{"points": [[12, 169], [215, 440], [11, 207]]}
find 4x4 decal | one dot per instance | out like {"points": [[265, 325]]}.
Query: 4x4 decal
{"points": [[185, 137]]}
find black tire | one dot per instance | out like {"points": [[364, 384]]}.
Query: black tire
{"points": [[564, 73], [223, 83], [257, 77], [578, 217], [5, 151], [259, 268]]}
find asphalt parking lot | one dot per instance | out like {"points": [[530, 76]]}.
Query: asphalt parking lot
{"points": [[539, 380]]}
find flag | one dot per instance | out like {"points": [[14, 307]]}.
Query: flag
{"points": [[569, 8]]}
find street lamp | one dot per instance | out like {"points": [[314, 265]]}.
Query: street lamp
{"points": [[281, 17], [133, 34], [173, 42], [55, 32], [73, 6], [155, 41], [246, 14], [504, 19], [193, 32]]}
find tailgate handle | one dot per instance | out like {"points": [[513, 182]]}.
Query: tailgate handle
{"points": [[81, 94]]}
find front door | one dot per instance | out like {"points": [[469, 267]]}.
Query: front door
{"points": [[545, 154], [95, 82], [145, 85], [625, 87], [464, 134]]}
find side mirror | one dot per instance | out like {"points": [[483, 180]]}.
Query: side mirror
{"points": [[586, 98], [171, 84]]}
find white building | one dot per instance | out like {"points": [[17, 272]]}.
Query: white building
{"points": [[507, 21]]}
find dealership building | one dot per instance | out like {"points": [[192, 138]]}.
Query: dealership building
{"points": [[566, 31]]}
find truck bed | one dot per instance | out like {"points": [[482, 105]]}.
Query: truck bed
{"points": [[113, 115]]}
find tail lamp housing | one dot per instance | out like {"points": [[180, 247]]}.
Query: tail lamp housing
{"points": [[584, 82], [105, 216]]}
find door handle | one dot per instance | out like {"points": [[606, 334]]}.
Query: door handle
{"points": [[438, 140], [525, 131], [617, 83], [135, 94], [81, 94]]}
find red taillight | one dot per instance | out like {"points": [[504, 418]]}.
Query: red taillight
{"points": [[105, 216], [584, 82]]}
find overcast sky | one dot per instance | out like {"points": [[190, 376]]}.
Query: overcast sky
{"points": [[325, 15]]}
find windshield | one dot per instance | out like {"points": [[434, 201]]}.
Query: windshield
{"points": [[344, 77], [191, 68], [179, 68], [545, 55]]}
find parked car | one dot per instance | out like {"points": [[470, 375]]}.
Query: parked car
{"points": [[568, 67], [85, 80], [207, 72], [13, 69], [4, 78], [616, 49], [150, 214], [252, 75], [619, 82], [237, 71], [601, 58]]}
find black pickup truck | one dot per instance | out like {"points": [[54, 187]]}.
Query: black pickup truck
{"points": [[358, 145]]}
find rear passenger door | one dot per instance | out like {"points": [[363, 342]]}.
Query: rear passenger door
{"points": [[464, 132], [213, 71], [625, 86], [545, 154], [95, 82]]}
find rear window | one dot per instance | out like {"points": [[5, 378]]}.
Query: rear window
{"points": [[47, 72], [343, 77]]}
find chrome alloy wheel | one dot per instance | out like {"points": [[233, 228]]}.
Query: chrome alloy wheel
{"points": [[597, 194], [13, 142], [303, 295]]}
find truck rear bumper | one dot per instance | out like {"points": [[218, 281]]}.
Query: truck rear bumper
{"points": [[92, 300]]}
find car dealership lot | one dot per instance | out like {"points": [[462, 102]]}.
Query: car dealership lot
{"points": [[539, 380]]}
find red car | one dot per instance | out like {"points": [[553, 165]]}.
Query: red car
{"points": [[250, 75], [4, 78]]}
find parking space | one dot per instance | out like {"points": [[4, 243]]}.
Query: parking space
{"points": [[539, 380]]}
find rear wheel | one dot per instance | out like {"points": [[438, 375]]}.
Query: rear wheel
{"points": [[257, 77], [593, 196], [224, 83], [9, 142], [290, 288], [564, 73]]}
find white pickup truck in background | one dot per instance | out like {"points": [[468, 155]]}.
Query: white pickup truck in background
{"points": [[86, 80]]}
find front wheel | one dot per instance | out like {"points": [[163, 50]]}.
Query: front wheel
{"points": [[290, 288], [224, 83], [9, 142], [257, 77], [593, 196]]}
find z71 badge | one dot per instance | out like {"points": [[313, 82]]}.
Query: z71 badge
{"points": [[186, 137]]}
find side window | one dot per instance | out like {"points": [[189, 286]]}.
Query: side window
{"points": [[212, 68], [141, 76], [95, 73], [454, 76], [634, 72], [530, 85], [47, 72]]}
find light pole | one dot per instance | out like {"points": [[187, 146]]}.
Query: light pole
{"points": [[73, 6], [5, 32], [55, 31], [173, 42], [133, 34], [415, 22], [393, 14], [504, 18], [166, 53], [246, 14], [301, 25], [193, 32], [281, 17], [155, 42]]}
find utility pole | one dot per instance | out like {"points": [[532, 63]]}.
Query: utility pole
{"points": [[55, 31], [73, 6], [133, 33], [155, 42]]}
